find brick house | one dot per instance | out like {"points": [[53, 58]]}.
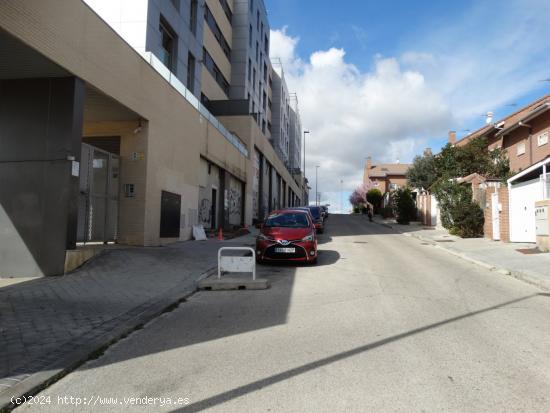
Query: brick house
{"points": [[386, 176], [524, 136]]}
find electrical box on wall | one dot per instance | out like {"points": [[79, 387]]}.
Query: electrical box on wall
{"points": [[541, 219]]}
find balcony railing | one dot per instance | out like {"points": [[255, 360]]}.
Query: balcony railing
{"points": [[171, 78]]}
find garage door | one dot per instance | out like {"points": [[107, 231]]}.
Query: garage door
{"points": [[522, 210]]}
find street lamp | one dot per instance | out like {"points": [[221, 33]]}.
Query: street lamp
{"points": [[316, 179]]}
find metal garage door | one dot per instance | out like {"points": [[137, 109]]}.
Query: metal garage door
{"points": [[522, 210]]}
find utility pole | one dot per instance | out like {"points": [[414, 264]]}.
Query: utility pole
{"points": [[304, 172]]}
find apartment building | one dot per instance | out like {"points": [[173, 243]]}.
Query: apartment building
{"points": [[295, 136], [108, 133], [280, 118], [250, 58]]}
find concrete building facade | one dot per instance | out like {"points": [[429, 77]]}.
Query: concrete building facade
{"points": [[280, 119], [102, 142], [295, 137], [250, 58]]}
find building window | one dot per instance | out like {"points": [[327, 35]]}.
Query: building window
{"points": [[521, 149], [265, 72], [249, 70], [204, 99], [257, 52], [193, 17], [263, 126], [227, 10], [168, 43], [542, 139], [211, 21], [215, 71], [257, 19], [250, 36], [253, 79], [264, 101], [191, 72], [266, 45], [251, 5]]}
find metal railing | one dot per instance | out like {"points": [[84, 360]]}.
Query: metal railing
{"points": [[171, 78]]}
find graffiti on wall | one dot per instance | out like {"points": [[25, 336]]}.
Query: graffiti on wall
{"points": [[234, 201], [205, 212]]}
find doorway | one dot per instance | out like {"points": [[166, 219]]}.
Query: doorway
{"points": [[495, 216], [98, 197], [213, 208]]}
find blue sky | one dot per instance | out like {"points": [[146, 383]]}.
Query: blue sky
{"points": [[419, 69]]}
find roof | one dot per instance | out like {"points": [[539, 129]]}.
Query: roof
{"points": [[528, 172], [385, 169], [530, 115], [507, 121]]}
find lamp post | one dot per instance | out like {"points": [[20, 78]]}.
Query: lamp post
{"points": [[316, 180]]}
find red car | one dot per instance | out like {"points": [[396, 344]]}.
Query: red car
{"points": [[287, 235]]}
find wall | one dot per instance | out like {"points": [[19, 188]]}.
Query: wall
{"points": [[533, 152], [131, 222], [503, 199], [40, 126], [71, 35], [209, 179]]}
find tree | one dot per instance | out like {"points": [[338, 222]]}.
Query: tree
{"points": [[374, 196], [356, 199], [405, 207], [423, 173], [474, 157]]}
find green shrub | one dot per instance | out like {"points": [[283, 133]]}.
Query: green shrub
{"points": [[374, 196], [356, 210], [459, 213], [405, 207]]}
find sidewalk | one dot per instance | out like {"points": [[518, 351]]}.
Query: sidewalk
{"points": [[501, 257], [50, 325]]}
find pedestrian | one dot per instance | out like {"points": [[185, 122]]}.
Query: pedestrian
{"points": [[370, 210]]}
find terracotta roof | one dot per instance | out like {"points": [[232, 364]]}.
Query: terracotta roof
{"points": [[508, 120], [385, 169]]}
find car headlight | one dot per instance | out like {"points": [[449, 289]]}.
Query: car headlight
{"points": [[308, 238]]}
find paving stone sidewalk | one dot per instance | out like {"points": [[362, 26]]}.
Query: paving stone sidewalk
{"points": [[48, 323], [501, 257]]}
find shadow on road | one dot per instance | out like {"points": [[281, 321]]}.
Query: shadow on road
{"points": [[260, 384]]}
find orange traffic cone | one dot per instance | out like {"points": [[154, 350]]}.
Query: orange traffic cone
{"points": [[220, 234]]}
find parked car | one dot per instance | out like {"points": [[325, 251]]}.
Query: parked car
{"points": [[287, 235], [318, 220], [324, 208]]}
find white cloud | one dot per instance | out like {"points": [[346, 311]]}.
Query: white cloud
{"points": [[354, 114], [490, 56]]}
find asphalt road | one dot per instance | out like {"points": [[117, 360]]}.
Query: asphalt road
{"points": [[383, 323]]}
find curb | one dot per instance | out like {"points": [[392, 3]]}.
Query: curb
{"points": [[93, 348], [525, 276]]}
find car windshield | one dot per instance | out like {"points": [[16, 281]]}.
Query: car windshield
{"points": [[287, 220], [315, 212]]}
